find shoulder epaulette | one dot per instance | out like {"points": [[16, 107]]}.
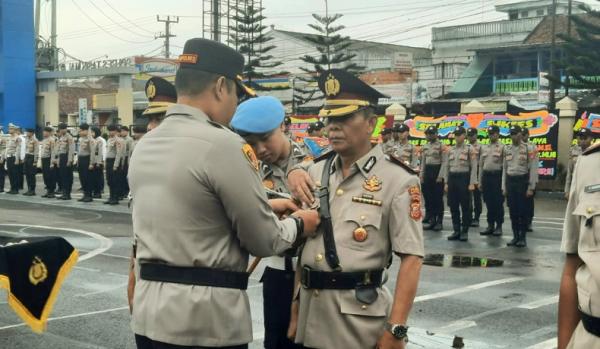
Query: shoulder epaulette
{"points": [[404, 165], [321, 157], [592, 149]]}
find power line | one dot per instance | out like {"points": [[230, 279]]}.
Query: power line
{"points": [[112, 20], [77, 35], [125, 18]]}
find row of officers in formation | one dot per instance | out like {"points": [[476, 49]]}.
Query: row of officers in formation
{"points": [[59, 154], [225, 196]]}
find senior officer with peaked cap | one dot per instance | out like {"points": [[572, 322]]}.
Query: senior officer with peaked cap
{"points": [[200, 210], [370, 207], [161, 95], [260, 121]]}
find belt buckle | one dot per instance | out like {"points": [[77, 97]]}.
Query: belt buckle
{"points": [[305, 277]]}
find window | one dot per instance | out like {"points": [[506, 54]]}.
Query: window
{"points": [[524, 14], [540, 12], [513, 15]]}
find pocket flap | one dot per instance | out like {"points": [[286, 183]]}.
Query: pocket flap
{"points": [[350, 305], [587, 209], [365, 218]]}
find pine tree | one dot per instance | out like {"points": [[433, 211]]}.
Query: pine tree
{"points": [[332, 53], [582, 52], [249, 38]]}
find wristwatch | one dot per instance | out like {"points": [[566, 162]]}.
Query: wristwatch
{"points": [[397, 330]]}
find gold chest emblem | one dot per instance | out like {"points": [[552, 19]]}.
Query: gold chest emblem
{"points": [[151, 90], [38, 271], [372, 184], [332, 86]]}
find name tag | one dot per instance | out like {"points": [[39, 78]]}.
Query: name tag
{"points": [[592, 188]]}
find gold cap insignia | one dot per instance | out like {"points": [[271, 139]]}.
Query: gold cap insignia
{"points": [[151, 90], [372, 184], [332, 86], [38, 271]]}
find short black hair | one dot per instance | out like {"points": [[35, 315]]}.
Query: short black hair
{"points": [[112, 127], [190, 82], [62, 126], [48, 129], [84, 127], [96, 131], [139, 129], [124, 128]]}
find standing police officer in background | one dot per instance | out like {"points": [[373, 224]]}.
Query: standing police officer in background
{"points": [[115, 154], [260, 122], [3, 142], [13, 150], [579, 302], [21, 155], [531, 200], [404, 150], [86, 158], [476, 206], [48, 155], [491, 161], [124, 185], [66, 152], [519, 174], [161, 95], [387, 142], [370, 206], [199, 210], [32, 150], [584, 140], [432, 179], [460, 177], [99, 151]]}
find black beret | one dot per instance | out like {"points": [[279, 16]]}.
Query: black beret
{"points": [[386, 131], [585, 132], [84, 127], [459, 130], [96, 130], [472, 131], [431, 130], [514, 129], [493, 129], [124, 128], [112, 127], [214, 57], [139, 129], [400, 128], [48, 129], [30, 130], [287, 120], [62, 126]]}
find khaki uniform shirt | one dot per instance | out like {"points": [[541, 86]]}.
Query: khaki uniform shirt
{"points": [[32, 147], [115, 149], [574, 154], [86, 146], [518, 161], [407, 153], [581, 236], [3, 142], [388, 147], [432, 154], [48, 148], [13, 148], [460, 159], [66, 145], [334, 319], [205, 207], [128, 146], [532, 148], [98, 151]]}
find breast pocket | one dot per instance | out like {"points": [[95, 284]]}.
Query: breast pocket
{"points": [[589, 231], [362, 227]]}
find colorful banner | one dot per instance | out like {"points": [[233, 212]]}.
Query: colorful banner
{"points": [[300, 124], [588, 120], [542, 126]]}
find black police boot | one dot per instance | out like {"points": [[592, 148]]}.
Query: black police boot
{"points": [[522, 240], [464, 233], [529, 229], [13, 192], [438, 224], [488, 231], [81, 200], [475, 222], [516, 235], [426, 219], [456, 233], [87, 198], [431, 224], [45, 195], [97, 196], [498, 230]]}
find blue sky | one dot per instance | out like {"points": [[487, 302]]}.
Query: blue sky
{"points": [[89, 29]]}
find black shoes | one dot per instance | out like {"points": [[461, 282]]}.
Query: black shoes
{"points": [[498, 230], [475, 223], [29, 193], [488, 231]]}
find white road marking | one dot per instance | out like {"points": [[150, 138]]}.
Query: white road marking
{"points": [[87, 269], [469, 288], [71, 316], [111, 255], [456, 326], [109, 289], [540, 303], [105, 243], [546, 222], [549, 344]]}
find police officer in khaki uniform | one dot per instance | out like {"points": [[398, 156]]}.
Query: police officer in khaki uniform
{"points": [[519, 173], [531, 200], [260, 122], [387, 141], [432, 179], [3, 142], [491, 160], [476, 206], [584, 140], [370, 206], [161, 95], [32, 151], [315, 129], [579, 302], [66, 152], [122, 175], [48, 154], [198, 214], [13, 150], [404, 150], [115, 154], [460, 177], [98, 171], [86, 158]]}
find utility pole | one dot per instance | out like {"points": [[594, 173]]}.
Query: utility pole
{"points": [[167, 34], [568, 81], [552, 97], [215, 22], [53, 38], [443, 78]]}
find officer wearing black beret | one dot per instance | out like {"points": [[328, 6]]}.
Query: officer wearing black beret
{"points": [[477, 204], [491, 161], [387, 142], [432, 179], [32, 150], [200, 209], [404, 150], [161, 95]]}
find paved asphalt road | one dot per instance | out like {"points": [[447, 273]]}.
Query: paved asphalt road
{"points": [[508, 306]]}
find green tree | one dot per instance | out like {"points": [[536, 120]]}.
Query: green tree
{"points": [[581, 61], [332, 52], [249, 38]]}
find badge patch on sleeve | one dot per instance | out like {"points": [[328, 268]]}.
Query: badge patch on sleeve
{"points": [[415, 203], [249, 153]]}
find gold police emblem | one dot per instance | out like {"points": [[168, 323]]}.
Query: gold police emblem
{"points": [[151, 90], [38, 271], [332, 86], [372, 184]]}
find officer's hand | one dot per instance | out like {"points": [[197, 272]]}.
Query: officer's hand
{"points": [[471, 187], [291, 332], [387, 341], [283, 207], [311, 221], [529, 193], [130, 289], [439, 180], [446, 188], [91, 167], [301, 186]]}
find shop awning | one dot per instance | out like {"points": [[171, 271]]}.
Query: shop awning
{"points": [[471, 75]]}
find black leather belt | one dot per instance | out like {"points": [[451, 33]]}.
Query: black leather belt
{"points": [[321, 280], [194, 276], [590, 323]]}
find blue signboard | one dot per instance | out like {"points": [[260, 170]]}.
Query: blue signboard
{"points": [[17, 64]]}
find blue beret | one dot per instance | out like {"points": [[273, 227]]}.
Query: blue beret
{"points": [[258, 115]]}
